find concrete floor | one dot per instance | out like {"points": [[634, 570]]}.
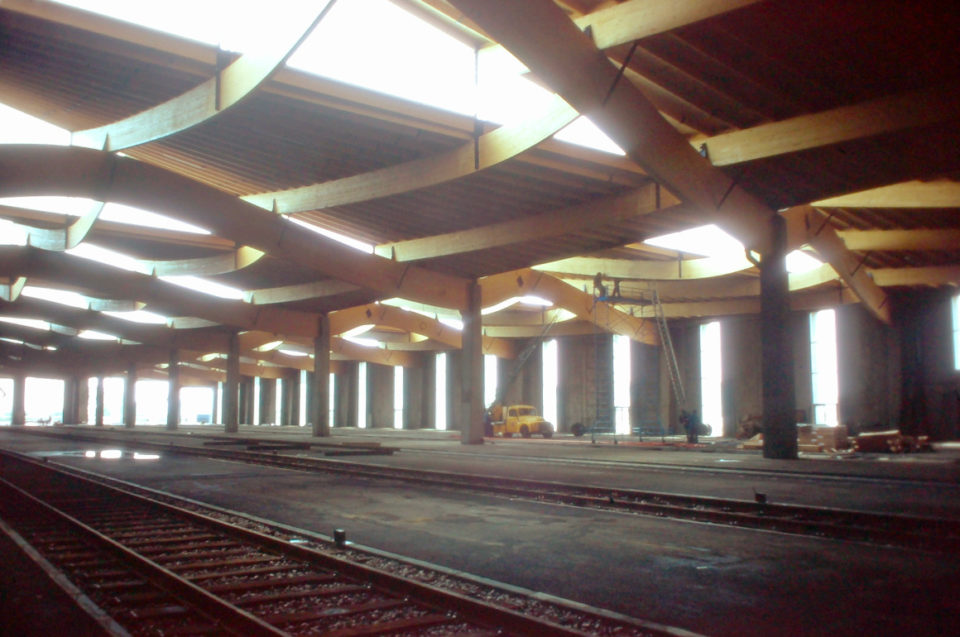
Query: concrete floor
{"points": [[708, 579]]}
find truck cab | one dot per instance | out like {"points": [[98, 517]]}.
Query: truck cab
{"points": [[519, 419]]}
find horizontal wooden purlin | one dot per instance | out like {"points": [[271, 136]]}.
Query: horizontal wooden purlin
{"points": [[843, 124], [204, 102], [114, 229], [47, 170], [498, 288], [798, 302], [941, 193], [203, 339], [537, 227], [166, 298], [542, 37], [386, 315], [205, 266], [679, 270], [932, 276], [289, 293], [567, 328], [487, 150], [946, 239], [33, 336]]}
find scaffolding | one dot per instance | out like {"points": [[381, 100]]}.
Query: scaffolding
{"points": [[642, 298]]}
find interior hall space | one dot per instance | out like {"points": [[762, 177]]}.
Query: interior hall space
{"points": [[479, 317]]}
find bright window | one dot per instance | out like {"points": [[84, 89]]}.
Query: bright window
{"points": [[331, 398], [441, 394], [489, 379], [621, 383], [398, 397], [550, 362], [711, 377], [6, 401], [112, 400], [256, 401], [278, 402], [196, 404], [304, 388], [150, 397], [362, 396], [823, 366], [956, 332]]}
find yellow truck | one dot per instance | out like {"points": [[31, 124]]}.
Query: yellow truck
{"points": [[518, 419]]}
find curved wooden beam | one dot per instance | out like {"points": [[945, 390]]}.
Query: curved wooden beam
{"points": [[487, 150], [64, 238], [242, 257], [199, 104], [680, 270], [549, 43], [36, 170], [301, 292], [498, 288], [11, 287], [387, 315]]}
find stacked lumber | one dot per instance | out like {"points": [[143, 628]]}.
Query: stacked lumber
{"points": [[891, 441], [810, 439]]}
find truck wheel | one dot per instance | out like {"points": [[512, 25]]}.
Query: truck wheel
{"points": [[578, 429], [525, 431], [546, 430]]}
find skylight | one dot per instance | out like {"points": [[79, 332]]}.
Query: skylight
{"points": [[93, 335], [20, 128], [523, 300], [31, 323], [356, 244], [140, 316], [799, 262], [205, 286], [107, 257], [64, 297], [704, 241], [119, 213]]}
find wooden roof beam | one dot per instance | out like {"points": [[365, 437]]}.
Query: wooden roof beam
{"points": [[552, 47], [947, 239], [36, 170], [939, 193], [843, 124], [230, 85], [639, 202]]}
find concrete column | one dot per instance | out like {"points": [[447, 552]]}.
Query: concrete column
{"points": [[268, 401], [129, 397], [779, 403], [19, 416], [320, 380], [291, 393], [69, 400], [98, 416], [83, 399], [173, 392], [471, 370], [231, 423]]}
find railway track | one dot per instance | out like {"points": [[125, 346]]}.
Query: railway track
{"points": [[914, 532], [159, 569]]}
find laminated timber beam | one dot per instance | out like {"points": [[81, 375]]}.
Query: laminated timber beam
{"points": [[204, 102], [299, 292], [824, 240], [898, 240], [933, 276], [387, 315], [552, 47], [846, 123], [940, 193], [678, 270], [641, 201], [27, 170], [166, 298], [202, 339], [500, 287]]}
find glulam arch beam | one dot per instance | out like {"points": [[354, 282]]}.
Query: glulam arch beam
{"points": [[227, 88], [27, 170], [498, 288]]}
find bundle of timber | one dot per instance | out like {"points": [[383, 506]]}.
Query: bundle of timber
{"points": [[891, 441], [810, 439]]}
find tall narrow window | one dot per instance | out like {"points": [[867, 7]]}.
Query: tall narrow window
{"points": [[711, 377], [621, 383], [440, 405], [6, 401], [490, 379], [956, 332], [256, 401], [278, 402], [362, 396], [823, 366], [304, 388], [332, 399], [398, 397], [550, 382]]}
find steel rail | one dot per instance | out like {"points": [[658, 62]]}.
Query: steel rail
{"points": [[473, 610], [917, 532]]}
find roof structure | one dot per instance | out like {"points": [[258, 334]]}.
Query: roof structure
{"points": [[841, 117]]}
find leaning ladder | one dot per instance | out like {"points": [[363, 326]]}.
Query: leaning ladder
{"points": [[676, 382], [522, 359]]}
